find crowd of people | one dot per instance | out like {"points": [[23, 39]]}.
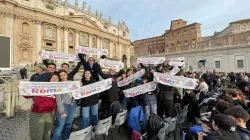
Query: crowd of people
{"points": [[225, 95]]}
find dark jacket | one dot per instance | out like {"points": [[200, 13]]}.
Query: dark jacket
{"points": [[91, 100], [44, 77], [113, 93], [167, 92], [163, 67], [86, 65], [34, 77], [150, 98], [71, 74], [244, 133], [193, 109], [208, 78]]}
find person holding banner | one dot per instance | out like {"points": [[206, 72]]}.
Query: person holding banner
{"points": [[42, 114], [90, 66], [164, 65], [149, 69], [88, 103], [65, 112], [50, 70], [149, 100], [166, 97], [65, 66], [111, 94]]}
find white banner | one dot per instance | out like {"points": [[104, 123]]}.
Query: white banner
{"points": [[176, 64], [91, 51], [131, 78], [111, 64], [175, 81], [144, 88], [174, 71], [92, 89], [176, 59], [59, 56], [27, 88], [151, 60]]}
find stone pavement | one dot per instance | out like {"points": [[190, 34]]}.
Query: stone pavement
{"points": [[17, 128]]}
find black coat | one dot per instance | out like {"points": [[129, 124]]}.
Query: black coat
{"points": [[91, 100], [193, 109], [112, 94], [93, 70], [244, 133], [166, 92], [34, 77]]}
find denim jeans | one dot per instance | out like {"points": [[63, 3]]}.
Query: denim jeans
{"points": [[65, 123], [149, 109], [86, 116]]}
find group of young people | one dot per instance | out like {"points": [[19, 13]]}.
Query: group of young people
{"points": [[62, 108]]}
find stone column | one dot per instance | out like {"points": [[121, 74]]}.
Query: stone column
{"points": [[77, 39], [90, 40], [98, 44], [38, 40], [110, 49], [58, 39], [66, 42]]}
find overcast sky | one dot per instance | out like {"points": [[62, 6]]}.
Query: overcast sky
{"points": [[149, 18]]}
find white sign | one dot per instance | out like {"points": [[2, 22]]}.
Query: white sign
{"points": [[131, 78], [92, 51], [111, 64]]}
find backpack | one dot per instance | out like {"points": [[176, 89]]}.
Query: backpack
{"points": [[175, 110], [155, 123], [115, 108]]}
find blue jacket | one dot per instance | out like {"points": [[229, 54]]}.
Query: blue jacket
{"points": [[135, 118]]}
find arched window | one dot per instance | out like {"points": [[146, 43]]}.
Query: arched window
{"points": [[25, 28], [70, 37], [49, 32]]}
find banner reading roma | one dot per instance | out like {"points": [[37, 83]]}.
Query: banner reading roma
{"points": [[47, 88], [131, 78], [151, 60], [132, 92], [59, 56], [175, 81], [92, 51], [111, 64], [176, 59], [92, 89]]}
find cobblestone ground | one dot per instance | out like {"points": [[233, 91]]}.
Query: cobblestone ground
{"points": [[17, 128]]}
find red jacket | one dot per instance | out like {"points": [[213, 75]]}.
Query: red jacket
{"points": [[43, 104]]}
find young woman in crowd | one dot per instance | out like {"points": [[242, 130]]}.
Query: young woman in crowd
{"points": [[42, 114], [65, 112], [193, 109], [89, 103], [149, 100]]}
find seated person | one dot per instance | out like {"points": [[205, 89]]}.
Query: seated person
{"points": [[240, 116]]}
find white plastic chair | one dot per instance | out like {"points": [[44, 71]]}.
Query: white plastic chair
{"points": [[162, 132], [120, 118], [84, 134], [172, 126], [103, 126]]}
